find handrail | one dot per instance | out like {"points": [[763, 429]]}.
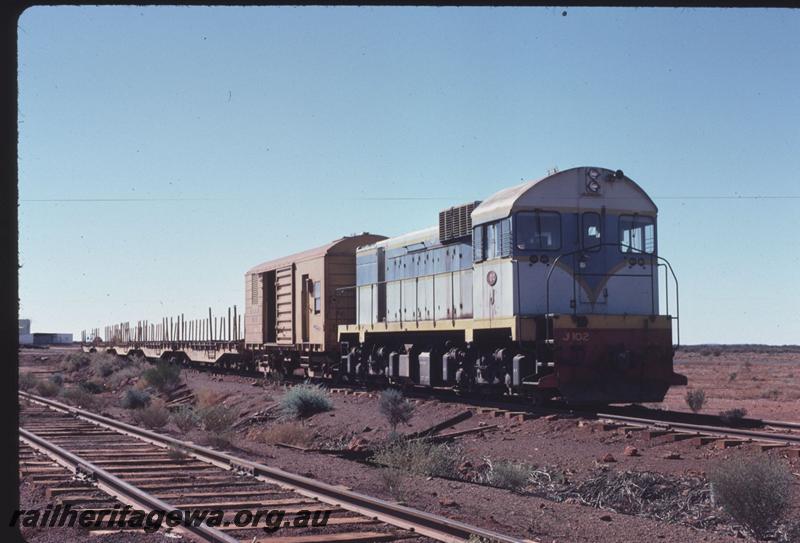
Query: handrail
{"points": [[654, 294]]}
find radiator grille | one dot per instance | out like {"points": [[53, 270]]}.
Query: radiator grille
{"points": [[456, 222]]}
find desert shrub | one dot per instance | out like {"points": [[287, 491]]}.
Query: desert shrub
{"points": [[78, 396], [732, 376], [47, 387], [92, 387], [57, 378], [27, 381], [305, 400], [717, 352], [124, 375], [772, 394], [219, 440], [206, 397], [392, 482], [153, 416], [695, 399], [706, 352], [75, 361], [135, 399], [217, 419], [185, 418], [104, 364], [755, 492], [395, 408], [733, 416], [419, 456], [103, 368], [513, 476], [163, 376], [176, 453], [289, 433]]}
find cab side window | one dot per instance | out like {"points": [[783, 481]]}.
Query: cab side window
{"points": [[538, 231], [637, 234]]}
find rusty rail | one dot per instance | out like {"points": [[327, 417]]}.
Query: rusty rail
{"points": [[420, 522], [117, 487]]}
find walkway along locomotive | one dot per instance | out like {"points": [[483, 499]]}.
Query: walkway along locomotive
{"points": [[551, 288]]}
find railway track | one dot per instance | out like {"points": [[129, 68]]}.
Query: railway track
{"points": [[672, 429], [676, 426], [152, 472], [783, 432]]}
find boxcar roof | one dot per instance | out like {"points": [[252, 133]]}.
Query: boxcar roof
{"points": [[342, 246], [566, 190]]}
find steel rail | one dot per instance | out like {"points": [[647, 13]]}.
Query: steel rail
{"points": [[578, 411], [718, 430], [666, 415], [420, 522], [780, 424], [122, 490], [789, 439]]}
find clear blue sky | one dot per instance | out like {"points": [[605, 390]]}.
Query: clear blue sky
{"points": [[256, 132]]}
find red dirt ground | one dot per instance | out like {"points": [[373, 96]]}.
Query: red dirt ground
{"points": [[568, 445], [766, 384]]}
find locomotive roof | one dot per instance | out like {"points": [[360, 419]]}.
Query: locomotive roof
{"points": [[344, 246], [566, 190]]}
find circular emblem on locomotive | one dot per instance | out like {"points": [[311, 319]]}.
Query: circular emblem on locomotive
{"points": [[491, 278]]}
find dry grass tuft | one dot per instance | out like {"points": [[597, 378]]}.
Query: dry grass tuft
{"points": [[185, 418], [290, 433], [420, 457], [506, 474], [27, 381], [208, 398], [153, 416], [393, 482]]}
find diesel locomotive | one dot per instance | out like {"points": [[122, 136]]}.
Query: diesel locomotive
{"points": [[551, 288]]}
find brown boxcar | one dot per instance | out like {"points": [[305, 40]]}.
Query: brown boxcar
{"points": [[292, 307]]}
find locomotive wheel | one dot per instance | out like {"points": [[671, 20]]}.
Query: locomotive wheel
{"points": [[537, 399]]}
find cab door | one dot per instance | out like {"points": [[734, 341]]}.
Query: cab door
{"points": [[591, 265]]}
